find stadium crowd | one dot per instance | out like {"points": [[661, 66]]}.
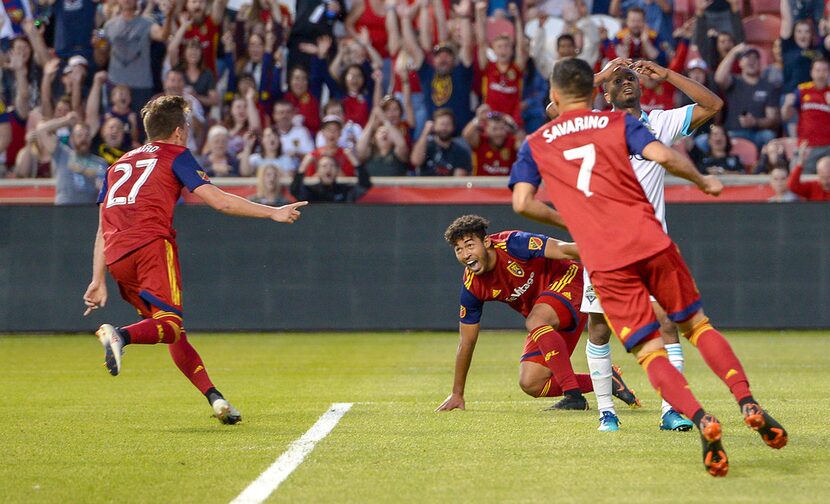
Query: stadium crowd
{"points": [[372, 88]]}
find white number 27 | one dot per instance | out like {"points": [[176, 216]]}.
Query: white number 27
{"points": [[127, 169], [588, 155]]}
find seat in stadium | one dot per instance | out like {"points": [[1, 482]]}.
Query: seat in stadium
{"points": [[765, 6], [745, 150], [762, 29]]}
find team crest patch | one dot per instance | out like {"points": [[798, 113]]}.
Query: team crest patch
{"points": [[515, 270], [535, 243], [511, 74], [441, 90], [505, 154], [463, 312], [202, 175]]}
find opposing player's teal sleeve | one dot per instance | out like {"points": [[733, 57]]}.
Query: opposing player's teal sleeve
{"points": [[470, 307], [188, 171], [525, 246], [687, 121], [525, 168], [637, 136]]}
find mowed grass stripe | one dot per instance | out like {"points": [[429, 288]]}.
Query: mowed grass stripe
{"points": [[77, 434]]}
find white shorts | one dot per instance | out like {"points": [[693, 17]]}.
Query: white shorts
{"points": [[590, 300]]}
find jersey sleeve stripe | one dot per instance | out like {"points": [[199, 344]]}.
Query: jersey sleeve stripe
{"points": [[687, 122]]}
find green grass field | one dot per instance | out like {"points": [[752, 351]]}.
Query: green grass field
{"points": [[75, 434]]}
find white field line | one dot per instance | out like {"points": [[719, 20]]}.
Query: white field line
{"points": [[297, 451]]}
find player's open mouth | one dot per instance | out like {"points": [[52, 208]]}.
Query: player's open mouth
{"points": [[472, 264]]}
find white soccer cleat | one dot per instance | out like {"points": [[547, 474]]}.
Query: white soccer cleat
{"points": [[113, 347], [226, 413]]}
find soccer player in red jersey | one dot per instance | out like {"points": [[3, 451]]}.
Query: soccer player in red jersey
{"points": [[501, 85], [535, 276], [583, 157], [136, 242]]}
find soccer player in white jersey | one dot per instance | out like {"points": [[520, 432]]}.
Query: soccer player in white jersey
{"points": [[622, 89], [621, 86]]}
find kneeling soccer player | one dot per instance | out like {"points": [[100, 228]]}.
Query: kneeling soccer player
{"points": [[537, 277]]}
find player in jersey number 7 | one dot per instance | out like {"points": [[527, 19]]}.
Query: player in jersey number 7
{"points": [[136, 242], [583, 157]]}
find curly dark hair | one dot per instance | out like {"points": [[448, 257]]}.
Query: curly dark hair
{"points": [[466, 225]]}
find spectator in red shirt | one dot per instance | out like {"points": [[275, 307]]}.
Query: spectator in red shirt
{"points": [[346, 160], [494, 145], [205, 28], [813, 102], [815, 190], [636, 40], [501, 83], [304, 102]]}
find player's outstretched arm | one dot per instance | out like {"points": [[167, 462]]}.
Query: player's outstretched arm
{"points": [[682, 167], [560, 250], [526, 205], [232, 204], [463, 358], [96, 293]]}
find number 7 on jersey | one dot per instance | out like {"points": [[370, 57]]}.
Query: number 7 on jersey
{"points": [[588, 155]]}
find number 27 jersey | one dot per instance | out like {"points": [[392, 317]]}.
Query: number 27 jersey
{"points": [[139, 194], [583, 157]]}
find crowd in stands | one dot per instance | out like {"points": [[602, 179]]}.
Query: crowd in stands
{"points": [[290, 89]]}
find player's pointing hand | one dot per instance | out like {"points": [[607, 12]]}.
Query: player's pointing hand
{"points": [[712, 185], [288, 213]]}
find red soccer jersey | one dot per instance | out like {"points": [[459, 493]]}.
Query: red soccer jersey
{"points": [[815, 114], [308, 107], [356, 109], [492, 161], [346, 166], [583, 157], [521, 274], [208, 35], [502, 91], [139, 194]]}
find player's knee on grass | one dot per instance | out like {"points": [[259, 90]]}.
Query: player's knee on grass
{"points": [[599, 333], [532, 378]]}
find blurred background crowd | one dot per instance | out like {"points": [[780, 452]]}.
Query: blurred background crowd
{"points": [[285, 90]]}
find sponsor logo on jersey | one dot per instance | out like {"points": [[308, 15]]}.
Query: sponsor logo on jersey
{"points": [[535, 243], [496, 292], [463, 312], [518, 291], [567, 295], [515, 270], [550, 355]]}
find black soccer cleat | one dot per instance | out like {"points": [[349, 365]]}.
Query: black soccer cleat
{"points": [[714, 455], [621, 391], [570, 402], [772, 432]]}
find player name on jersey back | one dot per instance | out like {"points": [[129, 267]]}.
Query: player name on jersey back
{"points": [[574, 125]]}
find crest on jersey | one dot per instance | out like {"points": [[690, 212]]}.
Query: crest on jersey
{"points": [[203, 175], [535, 243], [515, 270], [505, 154], [463, 312], [511, 74], [441, 90]]}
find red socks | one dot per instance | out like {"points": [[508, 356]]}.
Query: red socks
{"points": [[669, 383], [552, 389], [718, 355], [163, 327], [557, 358], [190, 364]]}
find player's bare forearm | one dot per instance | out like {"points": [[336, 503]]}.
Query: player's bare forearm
{"points": [[463, 358], [560, 250], [708, 103], [526, 205], [96, 293], [682, 167], [232, 204]]}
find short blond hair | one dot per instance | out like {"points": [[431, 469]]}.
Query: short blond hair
{"points": [[163, 115]]}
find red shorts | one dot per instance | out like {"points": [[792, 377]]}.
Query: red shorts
{"points": [[624, 294], [149, 278], [565, 295]]}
